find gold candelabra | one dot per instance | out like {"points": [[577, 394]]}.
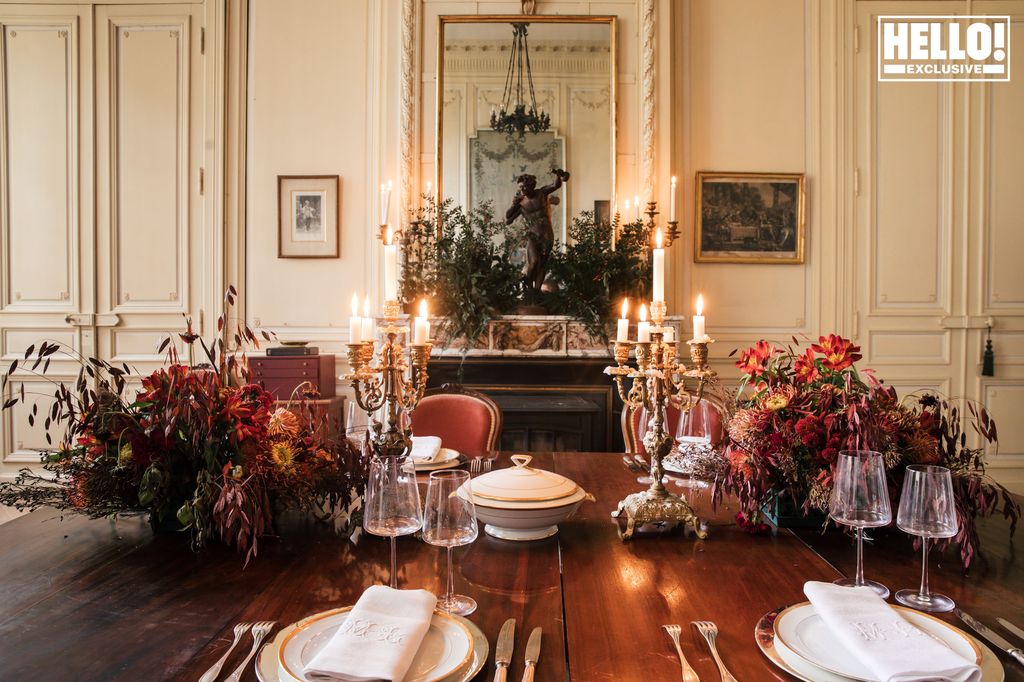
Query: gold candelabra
{"points": [[659, 379], [391, 382]]}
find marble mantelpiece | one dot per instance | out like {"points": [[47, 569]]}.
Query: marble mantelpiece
{"points": [[539, 335]]}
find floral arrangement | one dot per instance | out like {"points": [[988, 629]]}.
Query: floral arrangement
{"points": [[807, 406], [197, 448]]}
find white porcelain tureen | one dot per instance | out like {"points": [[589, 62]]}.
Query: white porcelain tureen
{"points": [[523, 503]]}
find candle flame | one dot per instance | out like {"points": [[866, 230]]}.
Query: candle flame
{"points": [[700, 304], [389, 185], [355, 304], [643, 312], [388, 236], [625, 307], [429, 185], [626, 209], [673, 179], [423, 308], [658, 238], [366, 306]]}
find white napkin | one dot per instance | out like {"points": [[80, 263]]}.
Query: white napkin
{"points": [[379, 638], [892, 648], [425, 449]]}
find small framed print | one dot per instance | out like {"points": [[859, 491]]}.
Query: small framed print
{"points": [[307, 216], [749, 218]]}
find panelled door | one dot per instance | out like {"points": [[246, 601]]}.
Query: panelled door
{"points": [[150, 255], [104, 221], [46, 228], [939, 231]]}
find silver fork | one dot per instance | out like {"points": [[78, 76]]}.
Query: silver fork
{"points": [[688, 673], [644, 466], [710, 632], [211, 674], [489, 463], [474, 465], [630, 464], [259, 631]]}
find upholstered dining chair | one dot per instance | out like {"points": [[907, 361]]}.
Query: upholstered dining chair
{"points": [[464, 420], [631, 425]]}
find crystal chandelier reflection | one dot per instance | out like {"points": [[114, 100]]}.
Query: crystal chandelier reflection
{"points": [[517, 116]]}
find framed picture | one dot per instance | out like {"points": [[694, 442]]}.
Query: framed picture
{"points": [[749, 218], [307, 216]]}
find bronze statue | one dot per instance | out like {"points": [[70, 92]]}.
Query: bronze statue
{"points": [[534, 205]]}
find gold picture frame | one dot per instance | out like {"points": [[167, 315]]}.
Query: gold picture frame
{"points": [[749, 218], [308, 216]]}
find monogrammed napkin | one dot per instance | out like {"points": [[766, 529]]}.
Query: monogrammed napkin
{"points": [[892, 648], [425, 449], [379, 638]]}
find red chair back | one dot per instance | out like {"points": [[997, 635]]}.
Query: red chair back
{"points": [[464, 420], [631, 425]]}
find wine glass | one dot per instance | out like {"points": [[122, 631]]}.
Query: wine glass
{"points": [[392, 503], [928, 510], [860, 498], [449, 520], [357, 427], [693, 438]]}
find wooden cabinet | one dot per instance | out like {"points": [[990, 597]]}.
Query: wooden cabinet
{"points": [[281, 375]]}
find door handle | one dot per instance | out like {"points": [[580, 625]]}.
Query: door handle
{"points": [[91, 320]]}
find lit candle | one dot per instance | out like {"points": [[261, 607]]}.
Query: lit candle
{"points": [[368, 322], [385, 202], [421, 329], [622, 331], [658, 267], [672, 201], [643, 327], [390, 267], [698, 320], [636, 200], [355, 323]]}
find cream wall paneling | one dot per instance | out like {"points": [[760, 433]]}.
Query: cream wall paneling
{"points": [[936, 218], [107, 237]]}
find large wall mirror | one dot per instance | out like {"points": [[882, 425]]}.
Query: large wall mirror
{"points": [[485, 68]]}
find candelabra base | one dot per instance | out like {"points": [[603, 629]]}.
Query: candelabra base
{"points": [[651, 507]]}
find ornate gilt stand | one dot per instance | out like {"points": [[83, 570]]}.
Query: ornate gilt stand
{"points": [[657, 380], [384, 384]]}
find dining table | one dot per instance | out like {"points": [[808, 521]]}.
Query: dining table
{"points": [[108, 599]]}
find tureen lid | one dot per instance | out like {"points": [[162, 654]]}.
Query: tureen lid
{"points": [[522, 483]]}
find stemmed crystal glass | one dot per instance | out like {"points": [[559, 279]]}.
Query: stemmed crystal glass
{"points": [[860, 498], [392, 503], [449, 521], [928, 510]]}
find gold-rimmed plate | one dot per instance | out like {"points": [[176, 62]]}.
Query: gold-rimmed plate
{"points": [[790, 662], [800, 632], [453, 650]]}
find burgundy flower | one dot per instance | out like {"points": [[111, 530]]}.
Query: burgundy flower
{"points": [[752, 360], [839, 353], [804, 368]]}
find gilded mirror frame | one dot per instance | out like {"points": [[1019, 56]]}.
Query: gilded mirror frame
{"points": [[610, 20]]}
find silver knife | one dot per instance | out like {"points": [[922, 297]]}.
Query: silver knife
{"points": [[532, 654], [1011, 627], [992, 637], [503, 650]]}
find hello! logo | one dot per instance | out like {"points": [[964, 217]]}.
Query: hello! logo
{"points": [[944, 48]]}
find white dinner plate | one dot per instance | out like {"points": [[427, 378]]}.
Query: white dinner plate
{"points": [[792, 663], [446, 459], [453, 650], [799, 630]]}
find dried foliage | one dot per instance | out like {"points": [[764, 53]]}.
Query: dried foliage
{"points": [[198, 447]]}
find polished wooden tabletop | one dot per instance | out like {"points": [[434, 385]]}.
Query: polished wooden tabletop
{"points": [[102, 600]]}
